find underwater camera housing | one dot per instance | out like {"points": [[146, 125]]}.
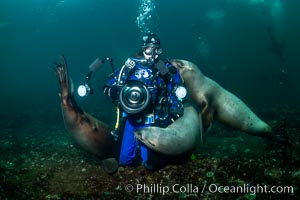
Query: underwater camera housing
{"points": [[134, 97]]}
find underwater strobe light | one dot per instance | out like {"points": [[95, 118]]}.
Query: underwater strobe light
{"points": [[84, 90], [181, 92]]}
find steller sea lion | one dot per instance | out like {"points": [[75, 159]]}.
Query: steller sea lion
{"points": [[217, 103], [91, 134]]}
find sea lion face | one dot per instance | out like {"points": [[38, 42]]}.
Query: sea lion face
{"points": [[194, 80], [149, 136]]}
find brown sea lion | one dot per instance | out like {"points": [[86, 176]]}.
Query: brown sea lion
{"points": [[91, 134], [219, 104]]}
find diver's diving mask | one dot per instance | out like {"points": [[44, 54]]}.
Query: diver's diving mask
{"points": [[151, 50]]}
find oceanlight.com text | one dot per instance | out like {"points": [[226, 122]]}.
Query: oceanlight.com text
{"points": [[210, 188]]}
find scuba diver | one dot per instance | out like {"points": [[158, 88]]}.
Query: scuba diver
{"points": [[147, 92]]}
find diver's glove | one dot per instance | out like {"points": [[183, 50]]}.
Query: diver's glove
{"points": [[176, 111]]}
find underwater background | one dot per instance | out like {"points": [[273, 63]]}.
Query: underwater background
{"points": [[250, 47]]}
